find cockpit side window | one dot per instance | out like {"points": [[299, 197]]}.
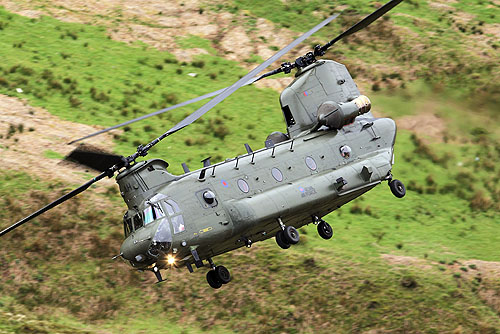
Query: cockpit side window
{"points": [[127, 225], [138, 222], [170, 209], [174, 205], [174, 211]]}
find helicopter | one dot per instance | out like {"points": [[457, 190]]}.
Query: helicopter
{"points": [[333, 152]]}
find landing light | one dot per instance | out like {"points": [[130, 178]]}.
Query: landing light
{"points": [[170, 259]]}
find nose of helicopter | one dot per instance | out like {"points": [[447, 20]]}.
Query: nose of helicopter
{"points": [[144, 246]]}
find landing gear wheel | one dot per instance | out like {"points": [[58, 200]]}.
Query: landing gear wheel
{"points": [[222, 274], [280, 240], [291, 235], [212, 279], [325, 230], [397, 188]]}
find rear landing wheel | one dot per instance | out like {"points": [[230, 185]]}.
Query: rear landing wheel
{"points": [[222, 274], [213, 280], [280, 240], [397, 188], [325, 230]]}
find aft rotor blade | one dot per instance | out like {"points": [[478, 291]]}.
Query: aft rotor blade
{"points": [[161, 111], [56, 202], [231, 89], [363, 23]]}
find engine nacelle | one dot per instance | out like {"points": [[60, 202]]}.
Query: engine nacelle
{"points": [[336, 115]]}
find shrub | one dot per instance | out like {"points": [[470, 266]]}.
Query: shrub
{"points": [[356, 209], [171, 61], [74, 101], [47, 74], [170, 98], [408, 282], [198, 63], [221, 131], [26, 71], [54, 84], [479, 202]]}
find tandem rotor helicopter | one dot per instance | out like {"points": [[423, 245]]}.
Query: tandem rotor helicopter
{"points": [[334, 151]]}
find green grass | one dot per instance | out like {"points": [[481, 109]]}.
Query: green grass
{"points": [[53, 155]]}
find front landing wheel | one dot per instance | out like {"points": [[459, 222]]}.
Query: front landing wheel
{"points": [[397, 188], [280, 240], [222, 274], [213, 280], [291, 235]]}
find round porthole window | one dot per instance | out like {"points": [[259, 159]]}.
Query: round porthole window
{"points": [[243, 185], [278, 176], [345, 151], [311, 163], [209, 197]]}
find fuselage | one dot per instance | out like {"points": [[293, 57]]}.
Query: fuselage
{"points": [[294, 180]]}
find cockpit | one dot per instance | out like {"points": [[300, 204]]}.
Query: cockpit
{"points": [[158, 207]]}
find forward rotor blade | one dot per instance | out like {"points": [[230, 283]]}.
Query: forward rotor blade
{"points": [[231, 89], [363, 23], [55, 203], [93, 157], [161, 111]]}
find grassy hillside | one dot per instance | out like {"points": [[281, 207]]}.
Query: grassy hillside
{"points": [[425, 264]]}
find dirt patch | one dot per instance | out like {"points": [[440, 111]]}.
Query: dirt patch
{"points": [[426, 125], [30, 135], [401, 260], [484, 274]]}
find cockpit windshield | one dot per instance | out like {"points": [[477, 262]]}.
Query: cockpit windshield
{"points": [[152, 212]]}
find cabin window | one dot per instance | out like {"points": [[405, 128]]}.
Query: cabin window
{"points": [[345, 151], [311, 163], [278, 176], [243, 185], [178, 224], [209, 198]]}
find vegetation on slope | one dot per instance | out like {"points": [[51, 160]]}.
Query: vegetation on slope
{"points": [[53, 268]]}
